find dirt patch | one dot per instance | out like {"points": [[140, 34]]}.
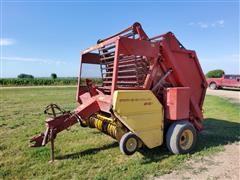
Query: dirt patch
{"points": [[232, 95], [224, 165]]}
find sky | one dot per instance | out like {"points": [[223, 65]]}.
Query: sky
{"points": [[43, 37]]}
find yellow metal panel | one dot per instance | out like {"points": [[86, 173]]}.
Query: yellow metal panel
{"points": [[142, 113]]}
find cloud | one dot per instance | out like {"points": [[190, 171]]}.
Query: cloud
{"points": [[34, 60], [205, 25], [6, 41], [202, 25]]}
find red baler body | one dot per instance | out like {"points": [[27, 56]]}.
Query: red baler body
{"points": [[130, 60]]}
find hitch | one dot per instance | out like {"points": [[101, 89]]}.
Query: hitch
{"points": [[56, 116], [60, 120]]}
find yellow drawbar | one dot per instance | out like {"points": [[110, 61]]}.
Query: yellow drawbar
{"points": [[142, 113]]}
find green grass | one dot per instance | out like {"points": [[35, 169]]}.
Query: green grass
{"points": [[86, 153]]}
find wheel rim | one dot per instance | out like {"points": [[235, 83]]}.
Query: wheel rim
{"points": [[212, 86], [186, 139], [131, 144]]}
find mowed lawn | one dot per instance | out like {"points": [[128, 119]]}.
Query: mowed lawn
{"points": [[83, 153]]}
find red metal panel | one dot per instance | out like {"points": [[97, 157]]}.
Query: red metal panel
{"points": [[104, 102], [186, 73], [178, 103], [87, 109], [138, 47], [90, 58]]}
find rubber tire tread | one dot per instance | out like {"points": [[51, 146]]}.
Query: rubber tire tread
{"points": [[122, 143], [173, 137]]}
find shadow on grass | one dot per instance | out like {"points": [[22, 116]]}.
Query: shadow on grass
{"points": [[90, 151], [216, 132], [154, 155]]}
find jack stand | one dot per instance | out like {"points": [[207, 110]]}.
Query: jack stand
{"points": [[52, 150]]}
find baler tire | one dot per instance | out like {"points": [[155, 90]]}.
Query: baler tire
{"points": [[181, 137], [213, 86], [124, 142]]}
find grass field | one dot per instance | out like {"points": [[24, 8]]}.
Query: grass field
{"points": [[60, 81], [86, 153]]}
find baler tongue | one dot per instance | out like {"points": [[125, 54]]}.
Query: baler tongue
{"points": [[54, 112], [60, 120], [57, 116]]}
